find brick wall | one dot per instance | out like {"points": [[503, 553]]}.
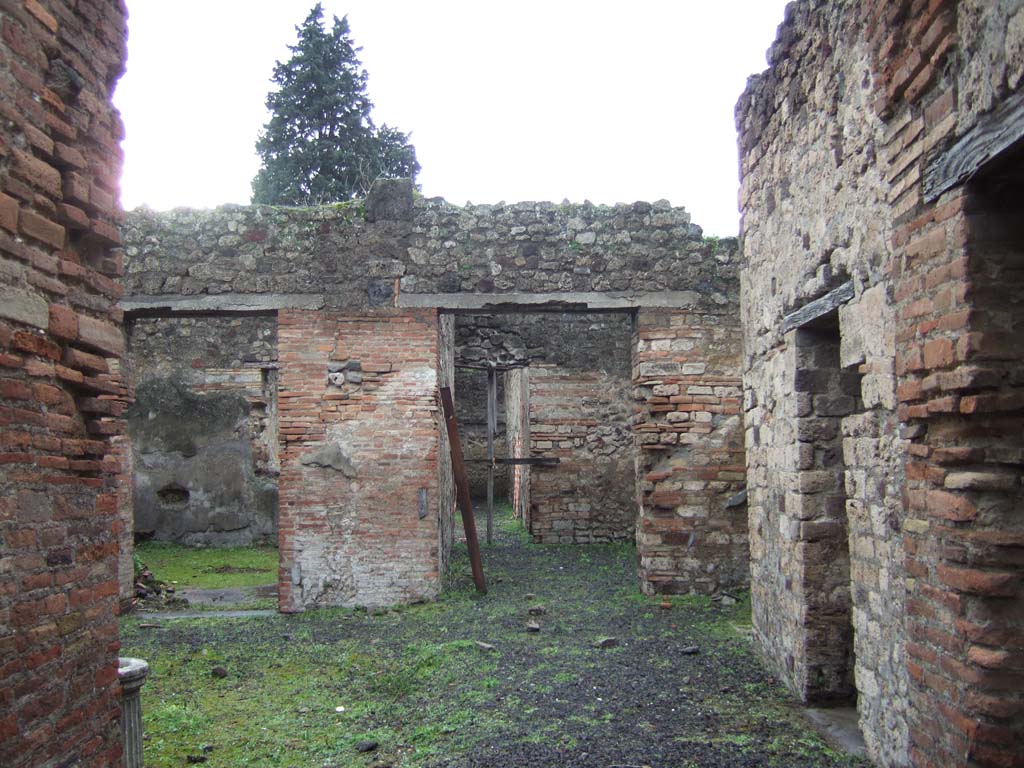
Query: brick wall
{"points": [[956, 276], [582, 418], [359, 496], [690, 441], [59, 332]]}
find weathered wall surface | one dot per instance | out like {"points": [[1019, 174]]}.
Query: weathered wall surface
{"points": [[691, 533], [59, 335], [204, 429], [579, 412], [581, 417], [864, 427], [429, 246], [825, 513], [359, 497]]}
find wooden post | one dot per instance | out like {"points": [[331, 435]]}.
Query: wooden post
{"points": [[462, 489], [492, 429]]}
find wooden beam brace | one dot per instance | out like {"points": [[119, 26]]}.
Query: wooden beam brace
{"points": [[529, 461]]}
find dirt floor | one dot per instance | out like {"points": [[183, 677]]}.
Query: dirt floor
{"points": [[606, 678]]}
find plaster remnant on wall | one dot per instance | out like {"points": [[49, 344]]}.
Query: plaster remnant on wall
{"points": [[330, 457]]}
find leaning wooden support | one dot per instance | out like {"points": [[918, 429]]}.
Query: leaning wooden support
{"points": [[462, 489]]}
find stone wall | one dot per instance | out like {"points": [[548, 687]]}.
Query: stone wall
{"points": [[823, 453], [691, 530], [60, 338], [204, 428], [878, 354], [355, 254], [360, 504]]}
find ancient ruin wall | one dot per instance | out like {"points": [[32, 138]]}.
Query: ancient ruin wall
{"points": [[692, 528], [60, 338], [579, 413], [960, 371], [802, 513], [353, 255], [360, 504], [862, 105], [396, 250], [204, 429], [824, 472]]}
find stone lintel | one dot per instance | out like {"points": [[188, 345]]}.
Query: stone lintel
{"points": [[553, 302], [226, 303], [819, 307]]}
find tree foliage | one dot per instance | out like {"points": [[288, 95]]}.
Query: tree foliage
{"points": [[320, 144]]}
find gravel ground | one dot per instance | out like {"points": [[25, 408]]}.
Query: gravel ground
{"points": [[680, 687]]}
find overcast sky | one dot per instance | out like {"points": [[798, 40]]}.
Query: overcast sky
{"points": [[511, 101]]}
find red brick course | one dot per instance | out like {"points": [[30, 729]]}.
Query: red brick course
{"points": [[955, 362], [686, 378], [355, 536], [58, 507]]}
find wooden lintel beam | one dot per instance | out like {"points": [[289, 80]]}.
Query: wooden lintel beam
{"points": [[992, 134], [482, 367], [819, 307]]}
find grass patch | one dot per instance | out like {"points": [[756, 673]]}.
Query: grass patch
{"points": [[306, 689], [303, 702], [209, 568]]}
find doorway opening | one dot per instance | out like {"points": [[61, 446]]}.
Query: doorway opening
{"points": [[544, 404], [825, 394]]}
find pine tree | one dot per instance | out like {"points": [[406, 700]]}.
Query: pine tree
{"points": [[320, 144]]}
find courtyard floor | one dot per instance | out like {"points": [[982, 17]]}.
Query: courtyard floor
{"points": [[610, 679]]}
